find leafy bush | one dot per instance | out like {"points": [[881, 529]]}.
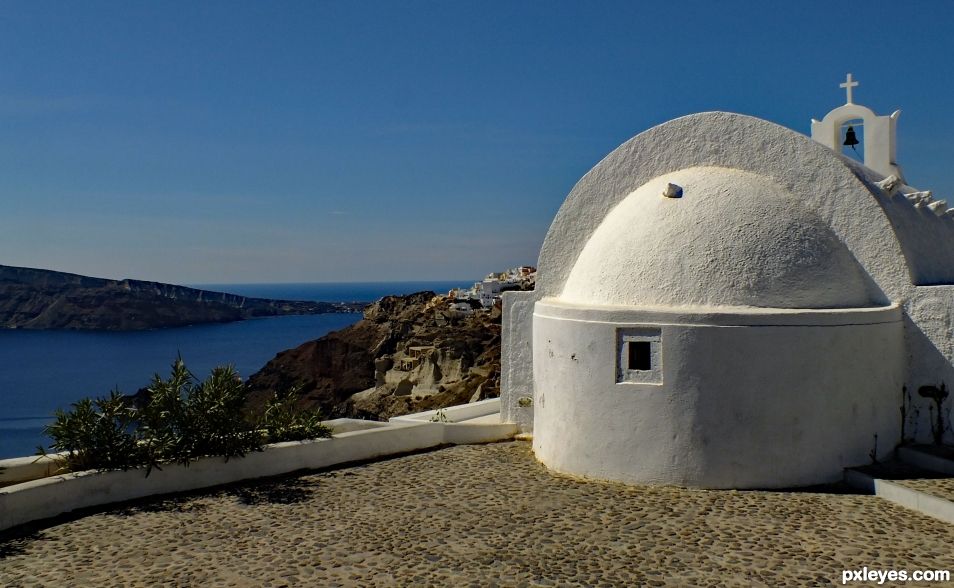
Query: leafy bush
{"points": [[214, 422], [185, 419], [97, 434], [159, 418], [181, 420], [283, 421]]}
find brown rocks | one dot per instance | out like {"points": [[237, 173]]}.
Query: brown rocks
{"points": [[409, 353]]}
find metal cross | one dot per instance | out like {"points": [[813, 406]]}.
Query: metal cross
{"points": [[848, 85]]}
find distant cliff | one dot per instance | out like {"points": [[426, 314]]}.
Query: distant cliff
{"points": [[408, 353], [44, 299]]}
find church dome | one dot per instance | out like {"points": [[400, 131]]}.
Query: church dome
{"points": [[732, 238]]}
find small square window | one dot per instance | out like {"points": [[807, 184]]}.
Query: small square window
{"points": [[640, 355]]}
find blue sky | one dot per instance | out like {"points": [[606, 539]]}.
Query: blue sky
{"points": [[217, 142]]}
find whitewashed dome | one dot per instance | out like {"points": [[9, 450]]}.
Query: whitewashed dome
{"points": [[733, 238]]}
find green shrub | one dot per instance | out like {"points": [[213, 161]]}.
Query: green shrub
{"points": [[215, 422], [180, 420], [283, 421], [97, 434], [160, 417], [185, 419]]}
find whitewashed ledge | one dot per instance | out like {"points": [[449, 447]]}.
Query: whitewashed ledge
{"points": [[353, 441]]}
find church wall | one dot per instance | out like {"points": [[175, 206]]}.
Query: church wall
{"points": [[879, 135], [926, 238], [758, 246], [929, 341], [738, 406], [822, 180], [841, 192], [516, 361]]}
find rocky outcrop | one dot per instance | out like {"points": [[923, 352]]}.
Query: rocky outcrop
{"points": [[408, 353], [44, 299]]}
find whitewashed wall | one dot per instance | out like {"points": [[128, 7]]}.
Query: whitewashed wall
{"points": [[751, 400], [897, 245]]}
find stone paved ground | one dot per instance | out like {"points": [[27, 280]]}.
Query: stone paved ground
{"points": [[940, 487], [476, 516]]}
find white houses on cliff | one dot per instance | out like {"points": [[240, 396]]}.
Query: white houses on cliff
{"points": [[725, 303]]}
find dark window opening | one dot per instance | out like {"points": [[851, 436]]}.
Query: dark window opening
{"points": [[640, 355]]}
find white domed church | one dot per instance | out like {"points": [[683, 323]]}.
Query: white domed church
{"points": [[725, 303]]}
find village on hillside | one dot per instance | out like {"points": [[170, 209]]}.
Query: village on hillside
{"points": [[487, 292]]}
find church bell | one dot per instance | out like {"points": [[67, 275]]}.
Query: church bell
{"points": [[850, 138]]}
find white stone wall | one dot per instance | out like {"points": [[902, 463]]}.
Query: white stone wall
{"points": [[516, 362], [817, 177], [777, 400], [896, 244], [879, 145], [733, 238], [929, 341]]}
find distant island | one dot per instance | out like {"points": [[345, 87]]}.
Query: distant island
{"points": [[44, 299]]}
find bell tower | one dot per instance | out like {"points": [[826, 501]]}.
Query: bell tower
{"points": [[880, 146]]}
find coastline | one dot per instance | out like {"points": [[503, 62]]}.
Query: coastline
{"points": [[57, 367]]}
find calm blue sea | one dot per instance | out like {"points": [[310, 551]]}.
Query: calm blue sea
{"points": [[41, 371]]}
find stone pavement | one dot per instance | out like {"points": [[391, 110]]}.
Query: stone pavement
{"points": [[940, 487], [485, 515]]}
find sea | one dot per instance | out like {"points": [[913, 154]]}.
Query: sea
{"points": [[44, 371]]}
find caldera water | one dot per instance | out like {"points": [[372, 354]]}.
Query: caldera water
{"points": [[42, 371]]}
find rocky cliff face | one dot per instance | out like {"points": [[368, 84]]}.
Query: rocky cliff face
{"points": [[43, 299], [408, 353]]}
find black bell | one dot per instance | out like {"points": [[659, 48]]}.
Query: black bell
{"points": [[850, 138]]}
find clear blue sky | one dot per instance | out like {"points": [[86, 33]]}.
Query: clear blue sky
{"points": [[211, 142]]}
